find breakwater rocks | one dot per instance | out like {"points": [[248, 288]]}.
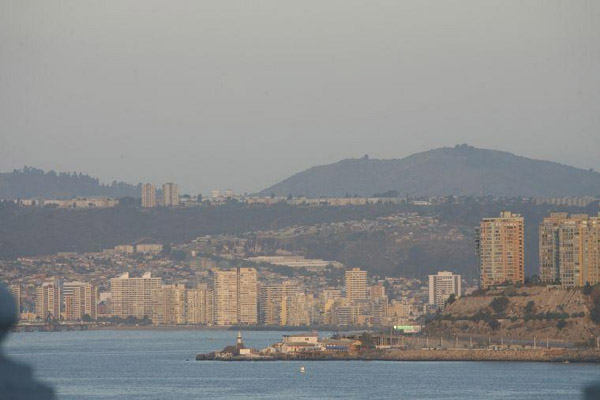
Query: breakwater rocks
{"points": [[494, 355], [542, 355]]}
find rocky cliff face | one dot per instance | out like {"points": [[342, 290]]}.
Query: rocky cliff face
{"points": [[521, 313]]}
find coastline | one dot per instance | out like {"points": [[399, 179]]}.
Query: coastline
{"points": [[234, 328]]}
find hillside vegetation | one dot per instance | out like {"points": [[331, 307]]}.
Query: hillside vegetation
{"points": [[32, 183], [40, 231], [523, 313], [462, 170]]}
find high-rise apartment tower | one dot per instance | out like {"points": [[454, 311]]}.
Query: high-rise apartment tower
{"points": [[356, 284], [136, 297], [48, 300], [80, 299], [235, 295], [170, 195], [501, 250], [148, 195], [442, 286], [570, 249]]}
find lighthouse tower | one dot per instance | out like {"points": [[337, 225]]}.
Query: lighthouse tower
{"points": [[239, 343]]}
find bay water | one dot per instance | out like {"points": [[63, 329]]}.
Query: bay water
{"points": [[160, 364]]}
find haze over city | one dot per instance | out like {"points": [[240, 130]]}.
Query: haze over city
{"points": [[186, 186], [241, 95]]}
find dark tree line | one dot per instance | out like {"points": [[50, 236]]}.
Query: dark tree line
{"points": [[30, 182]]}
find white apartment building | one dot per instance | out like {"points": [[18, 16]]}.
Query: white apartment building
{"points": [[441, 286]]}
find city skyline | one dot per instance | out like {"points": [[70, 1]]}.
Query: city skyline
{"points": [[569, 255], [238, 296], [364, 199]]}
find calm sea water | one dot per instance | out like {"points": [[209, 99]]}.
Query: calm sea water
{"points": [[154, 365]]}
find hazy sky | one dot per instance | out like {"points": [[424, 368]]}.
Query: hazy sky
{"points": [[240, 94]]}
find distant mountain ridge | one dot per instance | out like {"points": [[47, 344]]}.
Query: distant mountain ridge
{"points": [[462, 171], [33, 183]]}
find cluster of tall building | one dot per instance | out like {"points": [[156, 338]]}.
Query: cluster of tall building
{"points": [[169, 196], [235, 297], [361, 305], [285, 304], [69, 301], [231, 300], [569, 249], [228, 297], [232, 297], [146, 297]]}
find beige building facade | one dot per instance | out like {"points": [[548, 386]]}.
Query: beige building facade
{"points": [[247, 296], [235, 296], [170, 195], [80, 299], [135, 297], [172, 305], [356, 284], [569, 249], [501, 250], [199, 305], [48, 300], [225, 297], [148, 195]]}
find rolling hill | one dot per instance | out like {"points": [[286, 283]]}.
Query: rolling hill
{"points": [[461, 171]]}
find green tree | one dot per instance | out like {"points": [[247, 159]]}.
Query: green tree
{"points": [[178, 255], [595, 307], [127, 201], [494, 324], [499, 304], [451, 299], [595, 314], [367, 341], [530, 307]]}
